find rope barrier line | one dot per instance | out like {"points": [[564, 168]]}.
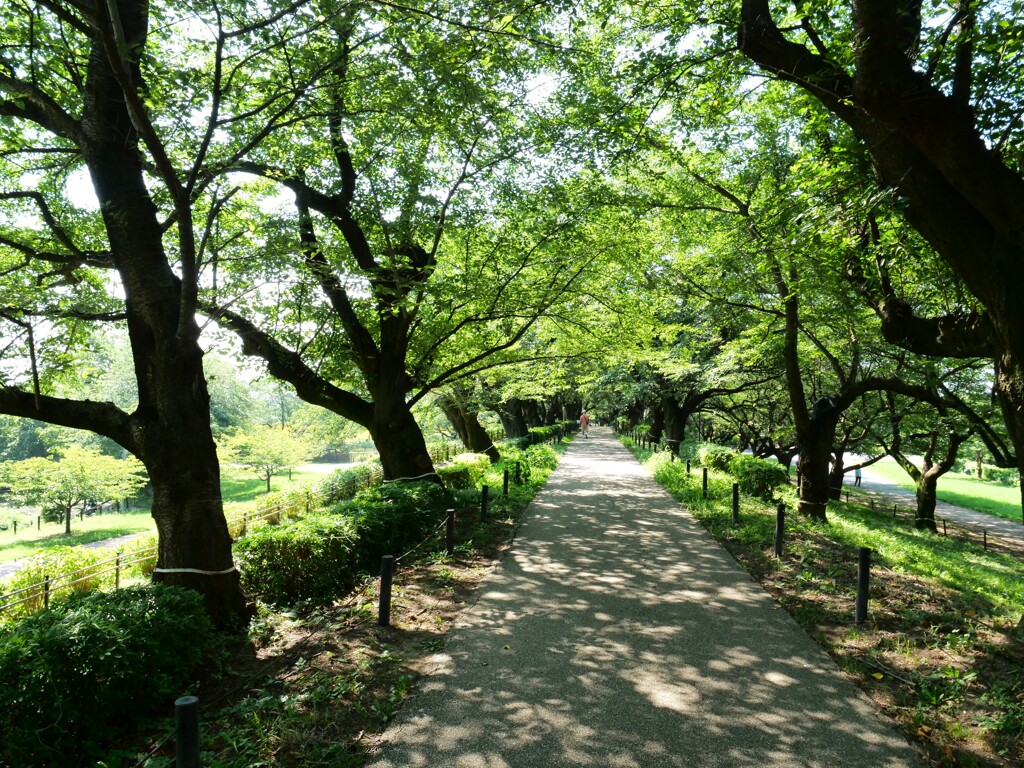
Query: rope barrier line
{"points": [[373, 477]]}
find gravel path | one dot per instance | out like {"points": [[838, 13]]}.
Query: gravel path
{"points": [[618, 633]]}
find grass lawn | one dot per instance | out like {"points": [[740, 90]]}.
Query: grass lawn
{"points": [[235, 486], [963, 491]]}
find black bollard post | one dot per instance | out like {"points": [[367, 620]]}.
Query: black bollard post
{"points": [[519, 473], [46, 592], [504, 483], [780, 526], [449, 532], [863, 576], [847, 497], [186, 732], [736, 503], [984, 533], [943, 527], [704, 483], [483, 503], [39, 523], [894, 510], [687, 466], [387, 570], [672, 458], [117, 571], [872, 505]]}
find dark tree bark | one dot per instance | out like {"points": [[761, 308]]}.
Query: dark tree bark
{"points": [[170, 429], [959, 193], [471, 432], [511, 415]]}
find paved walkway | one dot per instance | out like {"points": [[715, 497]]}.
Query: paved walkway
{"points": [[618, 633]]}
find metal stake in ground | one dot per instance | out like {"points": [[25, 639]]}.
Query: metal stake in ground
{"points": [[780, 526], [504, 483], [704, 484], [863, 577], [483, 503], [186, 732], [449, 532], [736, 503], [387, 570]]}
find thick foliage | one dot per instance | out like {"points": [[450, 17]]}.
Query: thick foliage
{"points": [[321, 557], [757, 477], [467, 470], [88, 669], [715, 456], [72, 570]]}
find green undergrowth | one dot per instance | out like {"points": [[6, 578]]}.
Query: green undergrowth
{"points": [[316, 676], [943, 649]]}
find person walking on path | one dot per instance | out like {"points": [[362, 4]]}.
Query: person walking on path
{"points": [[617, 632], [857, 477], [585, 424]]}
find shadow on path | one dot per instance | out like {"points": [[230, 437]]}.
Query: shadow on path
{"points": [[618, 633]]}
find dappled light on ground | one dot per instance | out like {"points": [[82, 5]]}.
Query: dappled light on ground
{"points": [[617, 633]]}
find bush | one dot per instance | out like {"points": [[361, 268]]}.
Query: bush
{"points": [[321, 557], [87, 670], [310, 559], [1002, 475], [757, 477], [541, 456], [467, 470], [140, 556], [345, 483], [715, 456], [62, 565]]}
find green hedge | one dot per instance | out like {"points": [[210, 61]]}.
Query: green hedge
{"points": [[467, 470], [757, 477], [715, 456], [322, 556], [77, 676]]}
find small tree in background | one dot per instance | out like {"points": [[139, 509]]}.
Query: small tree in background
{"points": [[78, 476], [265, 451]]}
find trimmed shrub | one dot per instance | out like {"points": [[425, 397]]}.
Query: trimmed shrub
{"points": [[321, 557], [757, 477], [310, 559], [541, 456], [345, 483], [75, 677], [467, 470], [63, 565], [1003, 475], [715, 456]]}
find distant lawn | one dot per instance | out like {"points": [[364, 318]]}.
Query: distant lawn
{"points": [[235, 486], [963, 491], [30, 540]]}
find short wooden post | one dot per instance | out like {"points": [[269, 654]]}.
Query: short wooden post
{"points": [[687, 466], [117, 571], [984, 533], [449, 532], [847, 497], [504, 483], [863, 577], [15, 527], [186, 732], [872, 505], [735, 502], [894, 510], [387, 570], [519, 473], [780, 526], [943, 527], [39, 522], [484, 492], [704, 483]]}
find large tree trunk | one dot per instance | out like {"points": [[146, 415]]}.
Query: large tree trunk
{"points": [[815, 436], [836, 476], [511, 415], [172, 422], [675, 423], [399, 440], [471, 431], [927, 484]]}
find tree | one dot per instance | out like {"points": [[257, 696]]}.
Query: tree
{"points": [[78, 476], [266, 451], [137, 106], [934, 96]]}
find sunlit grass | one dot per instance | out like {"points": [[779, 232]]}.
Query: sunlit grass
{"points": [[963, 491]]}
